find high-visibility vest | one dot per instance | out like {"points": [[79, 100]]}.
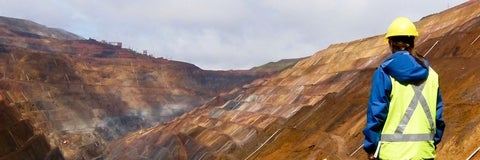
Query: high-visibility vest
{"points": [[410, 125]]}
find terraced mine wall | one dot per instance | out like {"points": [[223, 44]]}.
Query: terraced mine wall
{"points": [[317, 109]]}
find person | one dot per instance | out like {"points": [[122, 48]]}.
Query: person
{"points": [[404, 115]]}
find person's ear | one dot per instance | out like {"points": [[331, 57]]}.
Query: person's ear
{"points": [[390, 45]]}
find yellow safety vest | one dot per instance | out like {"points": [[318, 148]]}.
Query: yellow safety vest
{"points": [[410, 125]]}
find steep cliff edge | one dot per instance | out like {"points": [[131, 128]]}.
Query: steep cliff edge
{"points": [[19, 139], [316, 110]]}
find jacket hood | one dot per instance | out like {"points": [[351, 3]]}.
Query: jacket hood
{"points": [[403, 67]]}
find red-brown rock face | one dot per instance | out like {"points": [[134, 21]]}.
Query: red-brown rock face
{"points": [[19, 139], [316, 110]]}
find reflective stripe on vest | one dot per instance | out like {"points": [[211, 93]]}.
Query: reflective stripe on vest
{"points": [[398, 136]]}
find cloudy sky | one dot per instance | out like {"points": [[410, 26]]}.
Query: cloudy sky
{"points": [[223, 34]]}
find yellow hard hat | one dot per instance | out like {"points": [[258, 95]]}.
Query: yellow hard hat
{"points": [[401, 26]]}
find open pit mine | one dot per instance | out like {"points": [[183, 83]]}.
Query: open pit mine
{"points": [[64, 97]]}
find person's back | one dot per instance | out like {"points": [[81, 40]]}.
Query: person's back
{"points": [[404, 112]]}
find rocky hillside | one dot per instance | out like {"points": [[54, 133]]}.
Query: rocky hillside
{"points": [[277, 66], [81, 94], [316, 110], [23, 28]]}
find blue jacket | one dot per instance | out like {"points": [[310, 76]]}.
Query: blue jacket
{"points": [[403, 67]]}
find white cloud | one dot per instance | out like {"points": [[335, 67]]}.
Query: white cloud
{"points": [[223, 34]]}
